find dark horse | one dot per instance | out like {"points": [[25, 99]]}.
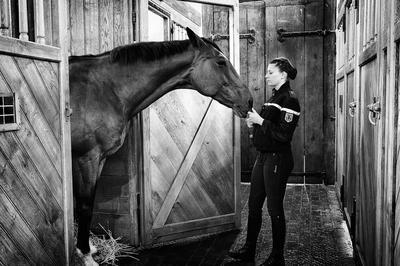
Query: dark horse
{"points": [[110, 88]]}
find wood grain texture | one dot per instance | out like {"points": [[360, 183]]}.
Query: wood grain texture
{"points": [[77, 32], [313, 91], [366, 224], [291, 18], [91, 26], [106, 25], [19, 231], [8, 249], [41, 94], [30, 108]]}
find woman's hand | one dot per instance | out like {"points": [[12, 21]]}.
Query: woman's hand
{"points": [[254, 118]]}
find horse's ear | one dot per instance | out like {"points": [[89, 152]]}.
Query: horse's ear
{"points": [[194, 39]]}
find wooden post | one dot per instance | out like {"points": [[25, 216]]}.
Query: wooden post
{"points": [[39, 22], [4, 18], [23, 20]]}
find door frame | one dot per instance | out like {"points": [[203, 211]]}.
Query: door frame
{"points": [[142, 7]]}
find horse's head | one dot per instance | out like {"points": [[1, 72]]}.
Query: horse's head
{"points": [[213, 75]]}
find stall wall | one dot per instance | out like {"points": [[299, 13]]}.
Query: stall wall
{"points": [[367, 156], [35, 164]]}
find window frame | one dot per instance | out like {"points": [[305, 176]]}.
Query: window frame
{"points": [[16, 125]]}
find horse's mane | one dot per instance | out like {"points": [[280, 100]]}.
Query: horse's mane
{"points": [[146, 51]]}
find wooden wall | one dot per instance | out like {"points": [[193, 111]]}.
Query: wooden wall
{"points": [[35, 173], [98, 26], [313, 137], [367, 155]]}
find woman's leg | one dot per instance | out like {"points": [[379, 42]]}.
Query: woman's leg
{"points": [[256, 201], [276, 171]]}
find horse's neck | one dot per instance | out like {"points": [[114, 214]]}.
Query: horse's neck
{"points": [[145, 82]]}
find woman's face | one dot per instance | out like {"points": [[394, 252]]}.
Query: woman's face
{"points": [[274, 76]]}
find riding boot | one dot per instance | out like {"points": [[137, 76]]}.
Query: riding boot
{"points": [[245, 253], [278, 241]]}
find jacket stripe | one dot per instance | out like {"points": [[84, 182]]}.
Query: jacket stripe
{"points": [[287, 110]]}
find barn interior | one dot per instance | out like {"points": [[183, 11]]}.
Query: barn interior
{"points": [[177, 189]]}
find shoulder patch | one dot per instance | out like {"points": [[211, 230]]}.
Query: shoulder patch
{"points": [[288, 117]]}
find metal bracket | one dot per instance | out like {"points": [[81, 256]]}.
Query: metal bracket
{"points": [[286, 34], [250, 36], [374, 111]]}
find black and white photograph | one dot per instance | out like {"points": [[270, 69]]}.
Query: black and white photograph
{"points": [[200, 132]]}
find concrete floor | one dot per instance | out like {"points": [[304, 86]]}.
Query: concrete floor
{"points": [[316, 235]]}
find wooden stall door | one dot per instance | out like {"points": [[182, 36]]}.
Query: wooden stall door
{"points": [[306, 53], [191, 187], [367, 194], [36, 220], [349, 182], [340, 120]]}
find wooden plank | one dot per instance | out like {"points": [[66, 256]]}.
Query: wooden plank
{"points": [[271, 44], [77, 27], [10, 253], [106, 21], [40, 159], [366, 225], [367, 55], [49, 76], [48, 23], [91, 18], [19, 231], [45, 223], [14, 46], [181, 175], [119, 38], [62, 36], [227, 3], [313, 77], [41, 94], [30, 108], [21, 161], [291, 18], [199, 224]]}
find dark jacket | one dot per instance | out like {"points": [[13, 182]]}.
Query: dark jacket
{"points": [[281, 114]]}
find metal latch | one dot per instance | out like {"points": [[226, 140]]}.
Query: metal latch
{"points": [[68, 111], [250, 36], [352, 107], [374, 111], [285, 34]]}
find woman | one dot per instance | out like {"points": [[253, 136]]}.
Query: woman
{"points": [[273, 131]]}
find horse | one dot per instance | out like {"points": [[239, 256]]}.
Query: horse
{"points": [[108, 89]]}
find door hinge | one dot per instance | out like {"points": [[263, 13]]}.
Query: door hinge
{"points": [[287, 34], [250, 36]]}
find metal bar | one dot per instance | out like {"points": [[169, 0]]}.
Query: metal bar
{"points": [[250, 36], [286, 34]]}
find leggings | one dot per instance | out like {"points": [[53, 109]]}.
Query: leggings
{"points": [[268, 180]]}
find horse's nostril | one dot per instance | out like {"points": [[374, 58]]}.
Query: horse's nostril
{"points": [[251, 103]]}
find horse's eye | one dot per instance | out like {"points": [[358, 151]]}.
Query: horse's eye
{"points": [[221, 63]]}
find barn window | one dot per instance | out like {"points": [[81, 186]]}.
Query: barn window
{"points": [[9, 113]]}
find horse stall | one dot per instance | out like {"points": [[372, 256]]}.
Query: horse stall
{"points": [[367, 143], [177, 174], [36, 226]]}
